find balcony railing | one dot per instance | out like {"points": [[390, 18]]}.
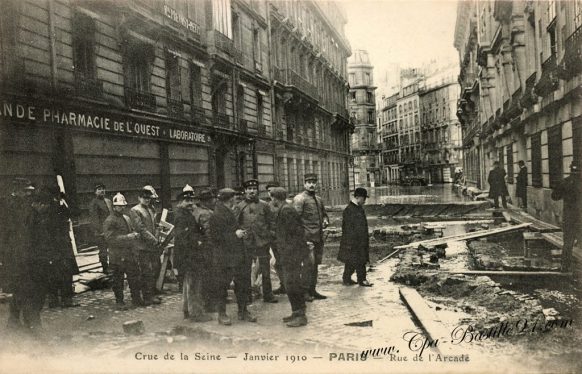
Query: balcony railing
{"points": [[242, 125], [573, 53], [139, 99], [88, 86], [198, 115], [301, 83], [221, 42], [222, 120], [175, 108], [262, 129], [549, 80], [279, 75], [529, 96]]}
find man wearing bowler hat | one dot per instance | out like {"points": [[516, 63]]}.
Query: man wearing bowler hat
{"points": [[99, 209], [314, 217], [255, 216], [354, 245], [570, 190]]}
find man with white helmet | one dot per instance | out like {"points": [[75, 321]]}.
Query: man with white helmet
{"points": [[122, 239], [143, 218]]}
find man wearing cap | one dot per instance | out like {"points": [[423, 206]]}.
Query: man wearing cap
{"points": [[148, 247], [230, 259], [354, 249], [189, 257], [314, 217], [99, 209], [570, 190], [278, 267], [292, 246], [14, 210], [203, 210], [255, 217], [122, 240]]}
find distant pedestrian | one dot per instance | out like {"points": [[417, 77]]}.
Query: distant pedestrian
{"points": [[314, 217], [497, 186], [148, 246], [122, 241], [255, 217], [99, 209], [521, 185], [570, 190], [190, 258], [293, 249], [230, 259], [354, 249]]}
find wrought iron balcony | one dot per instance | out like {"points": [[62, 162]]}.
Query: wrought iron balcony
{"points": [[242, 125], [301, 83], [221, 42], [175, 108], [222, 120], [139, 99], [549, 80], [573, 53], [279, 75], [88, 86], [198, 115], [529, 96]]}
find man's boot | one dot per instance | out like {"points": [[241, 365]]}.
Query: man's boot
{"points": [[245, 315], [290, 318], [299, 320]]}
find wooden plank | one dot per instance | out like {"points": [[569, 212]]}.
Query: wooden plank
{"points": [[554, 238], [471, 235], [512, 273], [428, 319]]}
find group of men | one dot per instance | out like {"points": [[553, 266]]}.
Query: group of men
{"points": [[36, 254]]}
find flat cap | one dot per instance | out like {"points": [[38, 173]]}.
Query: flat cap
{"points": [[251, 183], [310, 177]]}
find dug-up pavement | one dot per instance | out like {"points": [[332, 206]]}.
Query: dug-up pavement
{"points": [[353, 319]]}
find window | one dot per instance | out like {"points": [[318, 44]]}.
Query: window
{"points": [[352, 79], [577, 14], [83, 46], [138, 60], [260, 109], [173, 83], [195, 86], [367, 79], [509, 158], [221, 17], [555, 155], [369, 97], [371, 116], [577, 139], [257, 49], [536, 160]]}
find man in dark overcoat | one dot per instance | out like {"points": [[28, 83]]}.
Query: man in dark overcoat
{"points": [[570, 190], [14, 210], [293, 249], [230, 259], [521, 185], [190, 258], [354, 249], [497, 186], [205, 202], [100, 208]]}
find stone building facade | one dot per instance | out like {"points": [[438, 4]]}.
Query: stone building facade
{"points": [[408, 111], [171, 92], [362, 107], [521, 93], [389, 139]]}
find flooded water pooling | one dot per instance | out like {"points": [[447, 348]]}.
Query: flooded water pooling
{"points": [[441, 193]]}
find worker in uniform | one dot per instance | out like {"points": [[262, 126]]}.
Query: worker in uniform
{"points": [[99, 209], [14, 211], [293, 249], [255, 217], [314, 217], [570, 190], [122, 241], [230, 259], [206, 200], [189, 257], [148, 246]]}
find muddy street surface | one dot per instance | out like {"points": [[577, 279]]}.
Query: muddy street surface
{"points": [[487, 323]]}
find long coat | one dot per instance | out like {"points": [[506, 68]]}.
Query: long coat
{"points": [[312, 213], [256, 218], [188, 250], [496, 180], [290, 236], [228, 249], [14, 212], [118, 231], [570, 190], [144, 222], [521, 183], [60, 219], [354, 244], [99, 210]]}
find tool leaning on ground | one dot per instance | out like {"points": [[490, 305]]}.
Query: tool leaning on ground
{"points": [[165, 236]]}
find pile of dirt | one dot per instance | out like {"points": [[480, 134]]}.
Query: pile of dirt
{"points": [[486, 255]]}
